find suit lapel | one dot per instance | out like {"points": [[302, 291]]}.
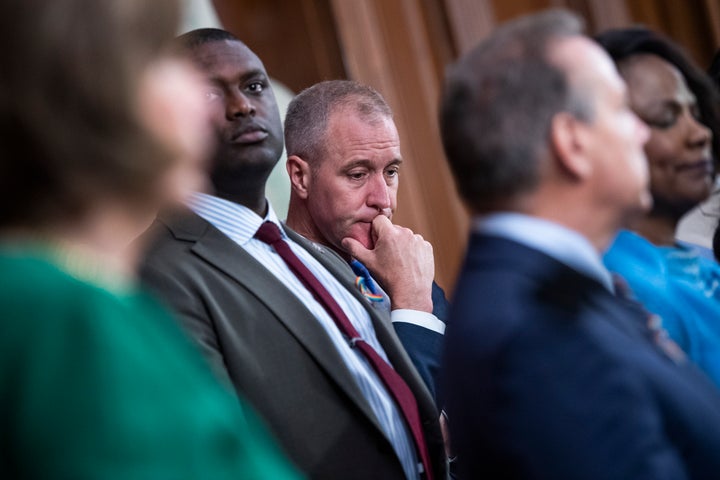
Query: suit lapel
{"points": [[222, 253]]}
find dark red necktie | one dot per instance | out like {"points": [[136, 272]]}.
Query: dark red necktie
{"points": [[270, 234]]}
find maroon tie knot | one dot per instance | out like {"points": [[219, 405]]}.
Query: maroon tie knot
{"points": [[268, 233]]}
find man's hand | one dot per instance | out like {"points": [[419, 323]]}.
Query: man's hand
{"points": [[401, 261]]}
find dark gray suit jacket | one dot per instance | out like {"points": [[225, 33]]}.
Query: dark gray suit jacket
{"points": [[277, 355]]}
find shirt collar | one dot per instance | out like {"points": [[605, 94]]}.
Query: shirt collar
{"points": [[234, 220], [563, 244]]}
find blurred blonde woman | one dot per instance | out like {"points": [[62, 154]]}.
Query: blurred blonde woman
{"points": [[98, 130]]}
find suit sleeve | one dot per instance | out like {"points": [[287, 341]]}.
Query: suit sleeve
{"points": [[604, 415], [563, 407], [180, 295], [441, 306], [421, 334], [424, 347]]}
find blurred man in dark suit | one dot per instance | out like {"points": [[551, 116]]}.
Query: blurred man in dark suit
{"points": [[549, 374]]}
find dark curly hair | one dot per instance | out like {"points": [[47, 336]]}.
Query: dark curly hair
{"points": [[624, 43]]}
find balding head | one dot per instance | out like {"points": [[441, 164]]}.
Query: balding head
{"points": [[498, 103], [536, 120]]}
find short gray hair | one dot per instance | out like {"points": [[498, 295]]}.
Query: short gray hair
{"points": [[498, 104], [309, 112]]}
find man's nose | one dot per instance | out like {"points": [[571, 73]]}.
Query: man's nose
{"points": [[378, 193], [238, 105]]}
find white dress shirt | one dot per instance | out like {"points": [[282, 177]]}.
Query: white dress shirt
{"points": [[561, 243]]}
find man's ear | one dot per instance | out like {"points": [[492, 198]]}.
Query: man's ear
{"points": [[299, 172], [569, 138]]}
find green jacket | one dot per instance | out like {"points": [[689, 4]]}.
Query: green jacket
{"points": [[100, 385]]}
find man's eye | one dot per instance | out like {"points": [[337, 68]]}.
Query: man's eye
{"points": [[393, 172], [256, 87], [356, 175]]}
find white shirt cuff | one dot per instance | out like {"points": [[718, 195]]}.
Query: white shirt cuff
{"points": [[421, 319]]}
